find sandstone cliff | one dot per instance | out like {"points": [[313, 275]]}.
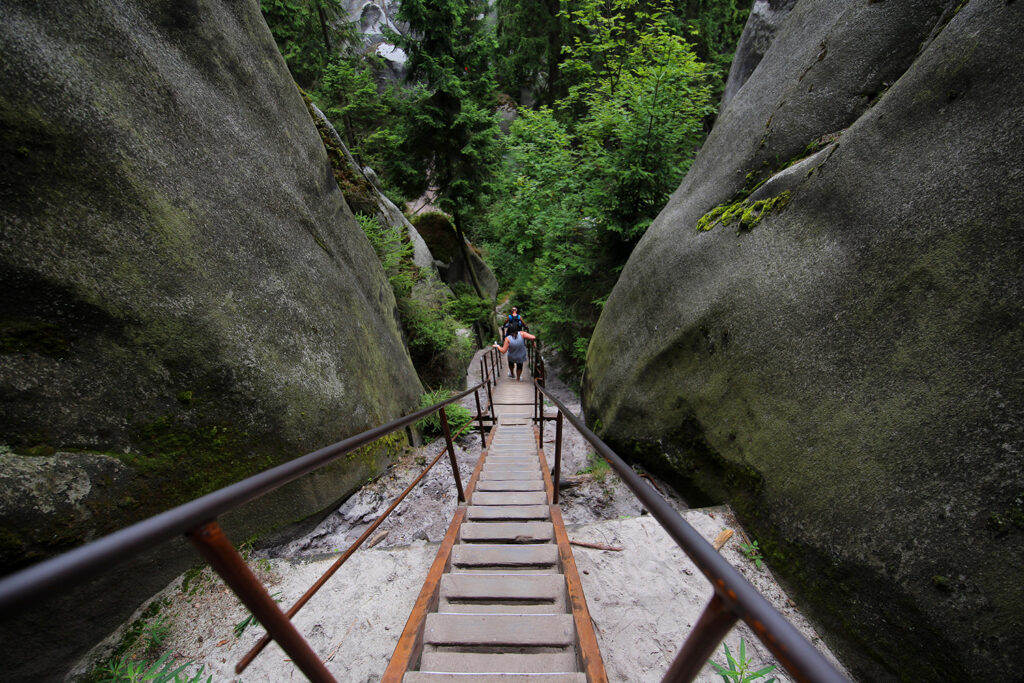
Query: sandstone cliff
{"points": [[842, 359], [186, 297]]}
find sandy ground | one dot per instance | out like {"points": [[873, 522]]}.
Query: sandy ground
{"points": [[643, 599]]}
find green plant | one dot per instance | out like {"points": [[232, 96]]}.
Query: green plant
{"points": [[251, 619], [155, 632], [739, 671], [163, 670], [753, 553], [597, 467], [458, 416]]}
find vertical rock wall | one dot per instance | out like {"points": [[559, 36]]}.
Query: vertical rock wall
{"points": [[842, 362], [185, 298]]}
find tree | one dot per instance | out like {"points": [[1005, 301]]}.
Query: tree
{"points": [[582, 182], [452, 131], [308, 33], [529, 47]]}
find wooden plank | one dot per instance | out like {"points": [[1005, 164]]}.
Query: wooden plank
{"points": [[410, 643], [500, 630], [510, 485], [590, 653], [504, 555], [507, 532], [510, 497], [494, 513], [471, 662], [443, 677]]}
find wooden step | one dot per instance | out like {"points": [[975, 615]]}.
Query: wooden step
{"points": [[510, 485], [442, 677], [510, 498], [543, 591], [519, 465], [500, 630], [507, 532], [472, 662], [511, 474], [503, 513], [509, 555]]}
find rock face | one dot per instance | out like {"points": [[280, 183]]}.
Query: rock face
{"points": [[766, 16], [847, 370], [436, 230], [371, 19], [186, 297]]}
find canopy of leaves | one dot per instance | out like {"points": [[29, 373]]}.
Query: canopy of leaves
{"points": [[582, 181]]}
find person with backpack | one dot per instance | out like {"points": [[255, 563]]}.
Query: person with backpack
{"points": [[514, 318], [514, 345]]}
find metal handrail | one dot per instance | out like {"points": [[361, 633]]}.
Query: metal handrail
{"points": [[734, 598], [196, 519]]}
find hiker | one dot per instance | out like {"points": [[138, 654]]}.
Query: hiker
{"points": [[513, 319], [515, 346]]}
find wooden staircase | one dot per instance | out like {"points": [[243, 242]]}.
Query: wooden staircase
{"points": [[503, 600]]}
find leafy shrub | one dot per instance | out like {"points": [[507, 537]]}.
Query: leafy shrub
{"points": [[395, 252], [467, 307], [163, 670], [458, 416]]}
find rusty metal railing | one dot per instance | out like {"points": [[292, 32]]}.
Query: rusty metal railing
{"points": [[197, 521], [734, 597]]}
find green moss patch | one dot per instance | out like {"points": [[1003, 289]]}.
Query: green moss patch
{"points": [[747, 213]]}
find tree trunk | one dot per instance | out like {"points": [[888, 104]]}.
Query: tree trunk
{"points": [[554, 50], [464, 245], [323, 27]]}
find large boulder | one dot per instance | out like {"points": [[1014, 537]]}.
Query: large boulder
{"points": [[186, 297], [766, 16], [437, 231], [842, 361]]}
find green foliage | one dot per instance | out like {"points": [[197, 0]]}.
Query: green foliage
{"points": [[467, 307], [452, 134], [583, 180], [529, 46], [155, 632], [308, 33], [163, 670], [713, 28], [753, 553], [458, 416], [430, 330], [739, 670], [597, 467], [394, 251]]}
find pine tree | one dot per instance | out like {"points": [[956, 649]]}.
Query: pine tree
{"points": [[451, 130]]}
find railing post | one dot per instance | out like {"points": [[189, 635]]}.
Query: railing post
{"points": [[490, 402], [451, 455], [558, 454], [211, 542], [712, 627], [540, 402], [480, 419]]}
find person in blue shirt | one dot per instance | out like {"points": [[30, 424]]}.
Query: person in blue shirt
{"points": [[515, 346], [513, 319]]}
